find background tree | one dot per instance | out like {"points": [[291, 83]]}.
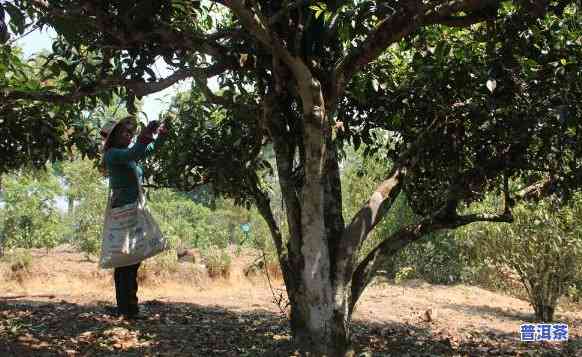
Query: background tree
{"points": [[86, 191], [289, 73], [29, 216]]}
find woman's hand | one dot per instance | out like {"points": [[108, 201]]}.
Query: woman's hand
{"points": [[147, 134], [152, 126], [157, 128]]}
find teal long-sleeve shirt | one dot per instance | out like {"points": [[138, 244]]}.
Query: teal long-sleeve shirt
{"points": [[123, 171]]}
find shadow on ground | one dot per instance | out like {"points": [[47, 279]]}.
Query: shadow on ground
{"points": [[511, 314], [59, 328]]}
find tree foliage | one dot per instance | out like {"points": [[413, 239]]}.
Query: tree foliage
{"points": [[35, 132], [435, 90]]}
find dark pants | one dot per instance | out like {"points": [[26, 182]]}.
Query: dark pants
{"points": [[126, 289]]}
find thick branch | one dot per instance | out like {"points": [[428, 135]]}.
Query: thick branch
{"points": [[375, 208], [536, 190], [364, 221], [227, 33], [285, 10], [268, 38], [139, 88], [260, 31], [284, 148], [366, 269], [333, 212], [202, 83], [284, 153]]}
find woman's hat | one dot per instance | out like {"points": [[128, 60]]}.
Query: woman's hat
{"points": [[109, 128]]}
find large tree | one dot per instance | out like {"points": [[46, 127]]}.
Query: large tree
{"points": [[306, 77]]}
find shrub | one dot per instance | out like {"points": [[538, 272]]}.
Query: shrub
{"points": [[29, 217], [20, 263], [543, 247], [217, 262], [187, 223], [404, 274], [87, 225], [436, 259], [21, 260], [574, 292], [159, 268]]}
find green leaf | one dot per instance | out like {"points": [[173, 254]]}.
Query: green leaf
{"points": [[327, 16]]}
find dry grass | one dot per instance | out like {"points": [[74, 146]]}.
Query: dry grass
{"points": [[17, 266], [165, 267], [454, 309], [64, 272]]}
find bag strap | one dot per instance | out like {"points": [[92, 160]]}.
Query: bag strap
{"points": [[107, 209], [140, 196]]}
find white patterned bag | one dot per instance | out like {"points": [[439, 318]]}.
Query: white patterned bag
{"points": [[130, 234]]}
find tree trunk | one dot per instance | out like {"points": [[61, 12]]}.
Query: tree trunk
{"points": [[543, 296], [544, 313], [317, 268], [70, 205], [320, 328], [2, 239]]}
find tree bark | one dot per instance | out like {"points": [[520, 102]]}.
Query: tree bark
{"points": [[2, 240], [314, 304], [323, 337], [319, 311], [544, 313]]}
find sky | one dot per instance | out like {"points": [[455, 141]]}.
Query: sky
{"points": [[38, 41]]}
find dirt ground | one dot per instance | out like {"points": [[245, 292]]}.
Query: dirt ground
{"points": [[57, 308]]}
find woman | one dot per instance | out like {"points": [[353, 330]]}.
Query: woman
{"points": [[119, 161]]}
